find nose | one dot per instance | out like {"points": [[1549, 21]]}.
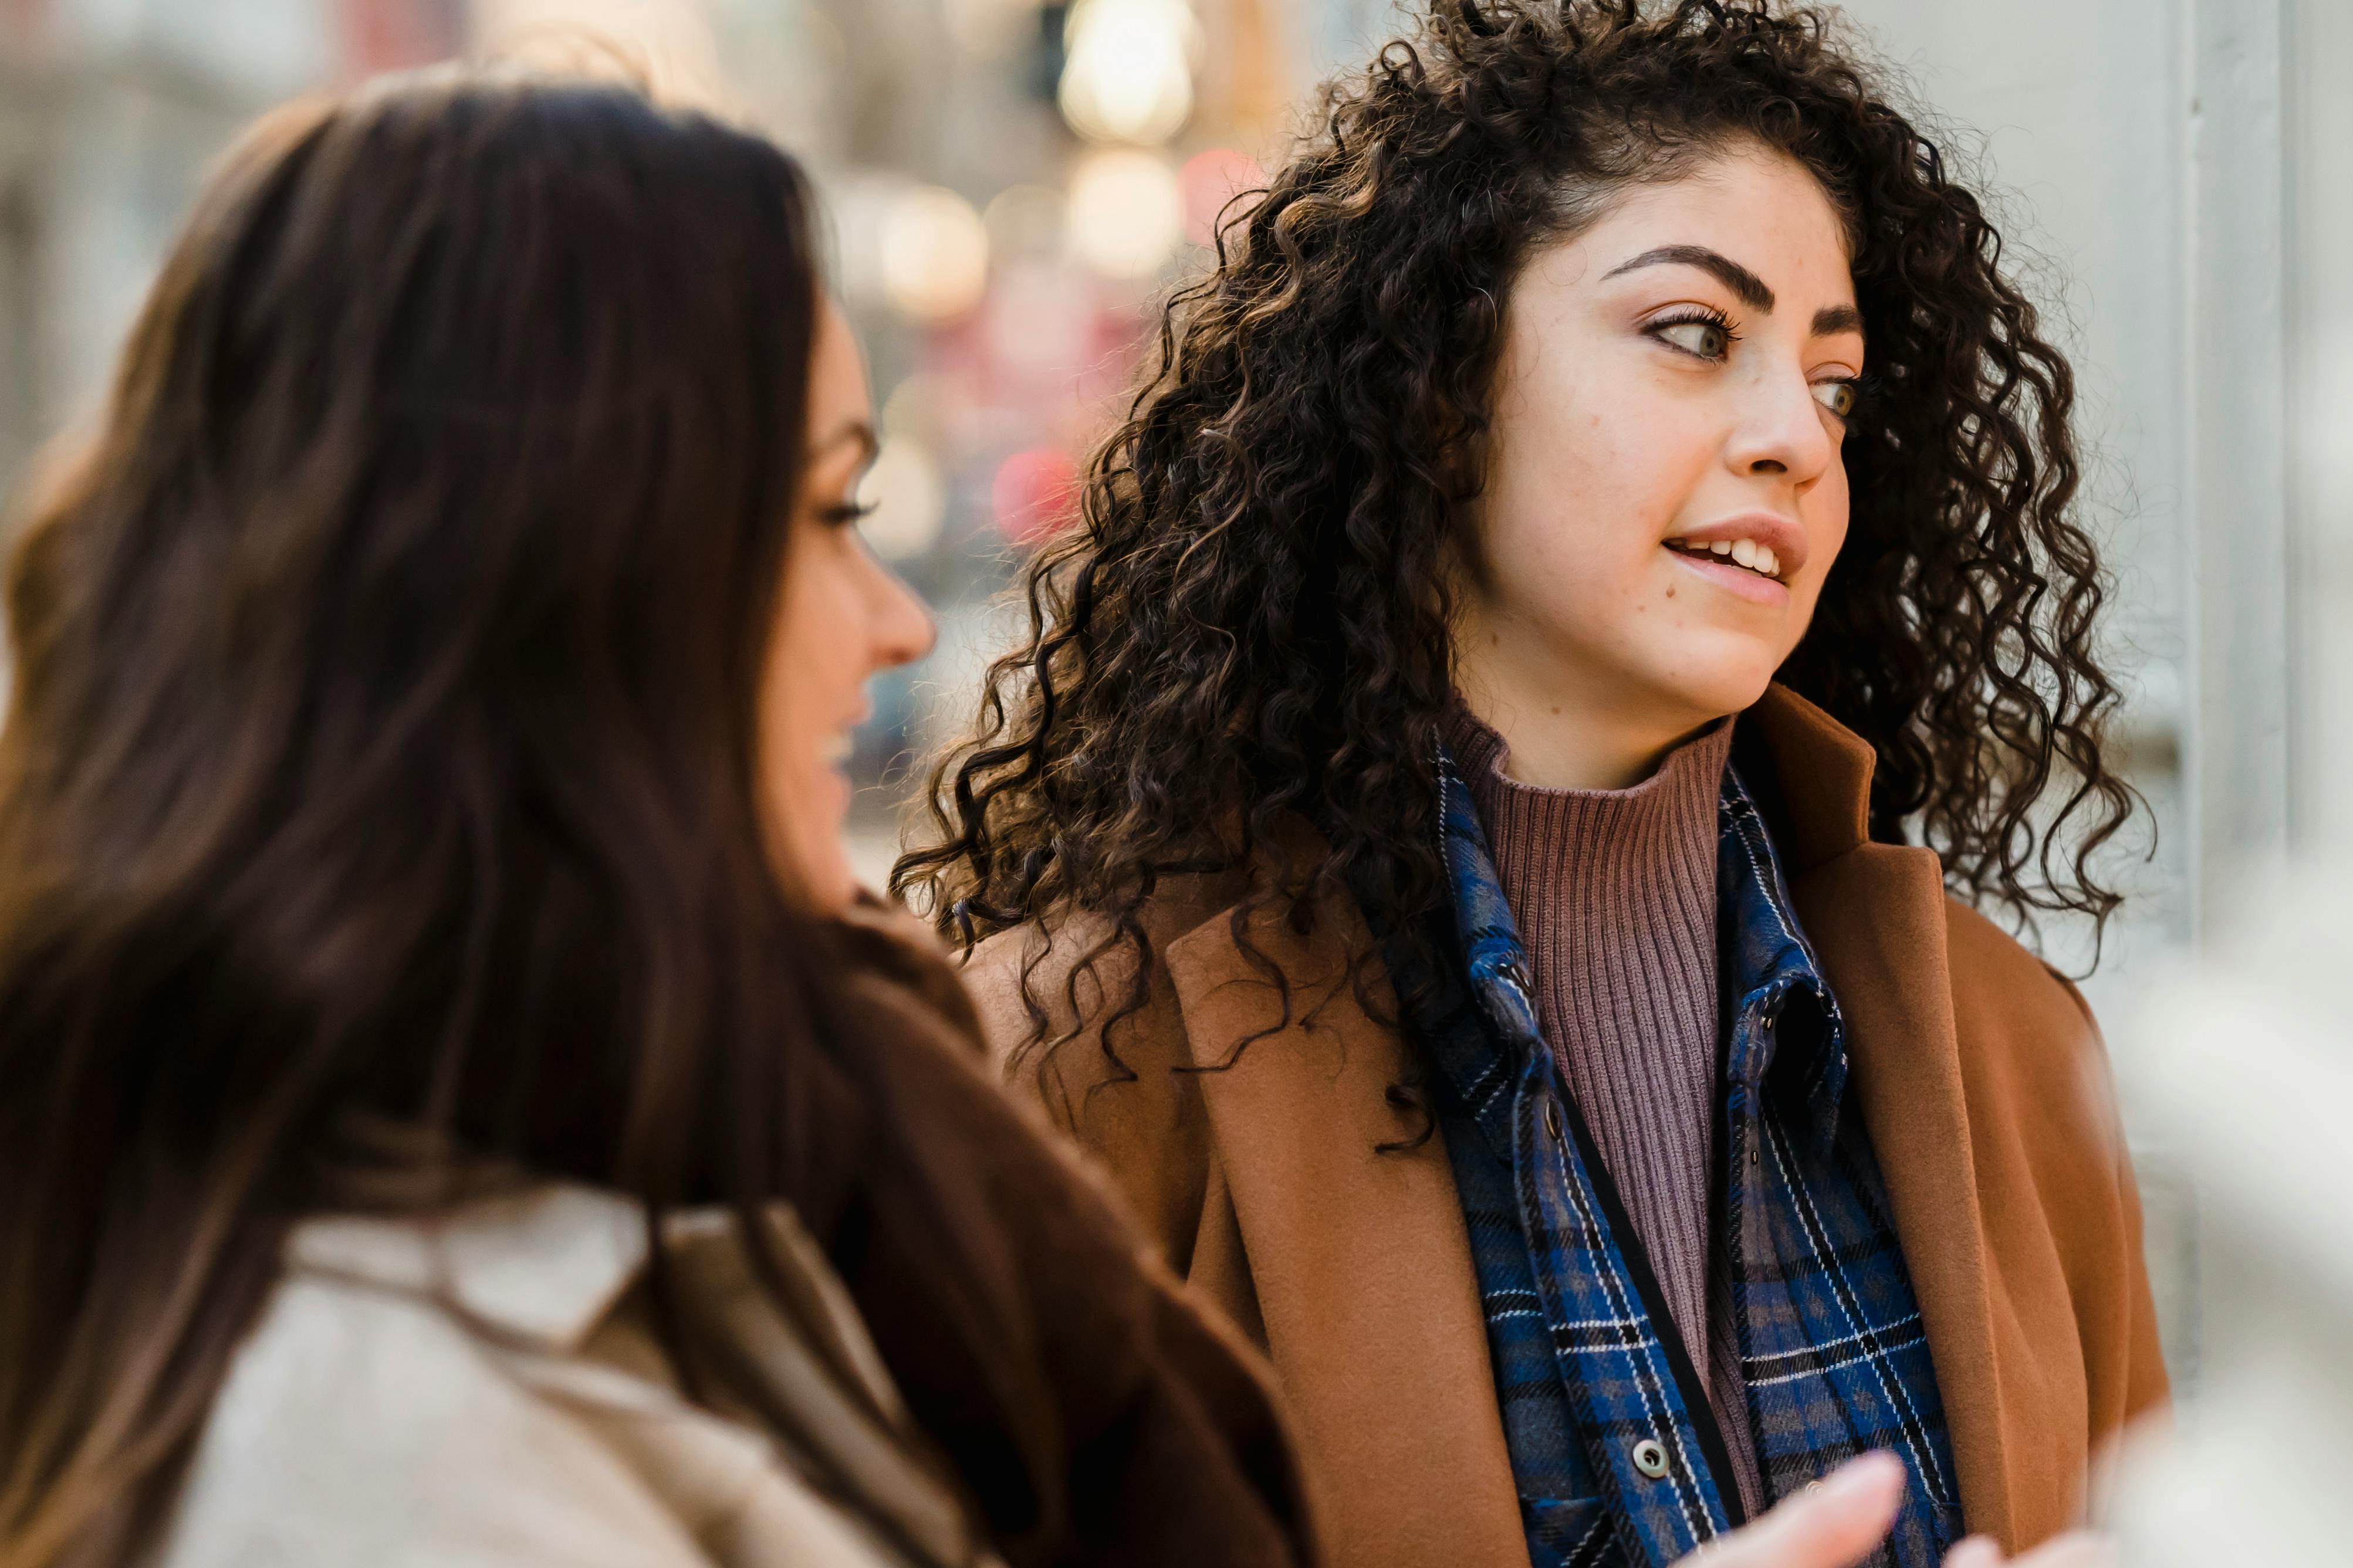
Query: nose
{"points": [[1782, 431], [902, 627]]}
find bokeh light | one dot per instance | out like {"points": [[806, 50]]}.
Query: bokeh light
{"points": [[935, 255], [910, 498], [1127, 212], [1035, 494], [1129, 72], [1210, 180]]}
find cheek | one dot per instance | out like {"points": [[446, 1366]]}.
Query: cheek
{"points": [[810, 681], [817, 638], [1824, 512], [812, 675], [1584, 488]]}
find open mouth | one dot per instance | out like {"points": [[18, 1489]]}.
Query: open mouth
{"points": [[1748, 554]]}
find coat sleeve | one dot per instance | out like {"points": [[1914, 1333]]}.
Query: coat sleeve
{"points": [[2134, 1384]]}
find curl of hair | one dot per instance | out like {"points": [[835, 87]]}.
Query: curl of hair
{"points": [[1251, 621]]}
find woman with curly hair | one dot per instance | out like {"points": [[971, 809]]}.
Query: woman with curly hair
{"points": [[1486, 837]]}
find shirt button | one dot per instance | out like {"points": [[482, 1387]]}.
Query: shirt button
{"points": [[1650, 1459], [1552, 1120]]}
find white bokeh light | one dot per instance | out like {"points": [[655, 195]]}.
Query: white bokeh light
{"points": [[1128, 75], [935, 259], [909, 499], [1126, 214]]}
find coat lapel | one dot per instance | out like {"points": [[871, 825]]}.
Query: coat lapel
{"points": [[1876, 915], [1359, 1260]]}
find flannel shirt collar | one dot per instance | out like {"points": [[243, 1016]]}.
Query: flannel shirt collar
{"points": [[1771, 978]]}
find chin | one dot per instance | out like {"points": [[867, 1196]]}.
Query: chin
{"points": [[1712, 692], [834, 889], [822, 876]]}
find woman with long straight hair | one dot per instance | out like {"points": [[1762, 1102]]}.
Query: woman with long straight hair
{"points": [[451, 1107], [1487, 837]]}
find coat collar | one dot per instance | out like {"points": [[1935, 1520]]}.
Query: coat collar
{"points": [[1810, 776]]}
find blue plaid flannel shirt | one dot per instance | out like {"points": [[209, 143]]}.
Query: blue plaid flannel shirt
{"points": [[1615, 1455]]}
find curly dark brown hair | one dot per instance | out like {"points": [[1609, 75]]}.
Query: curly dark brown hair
{"points": [[1251, 621]]}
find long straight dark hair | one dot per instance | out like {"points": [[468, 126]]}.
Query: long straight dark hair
{"points": [[383, 750]]}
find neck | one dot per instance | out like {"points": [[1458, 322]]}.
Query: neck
{"points": [[1563, 738]]}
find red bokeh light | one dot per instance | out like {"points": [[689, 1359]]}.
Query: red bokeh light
{"points": [[1035, 494], [1210, 180]]}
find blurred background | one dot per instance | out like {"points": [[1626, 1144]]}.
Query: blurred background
{"points": [[1013, 183]]}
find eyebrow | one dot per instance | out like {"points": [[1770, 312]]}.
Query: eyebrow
{"points": [[1730, 273], [857, 432], [1746, 285], [1834, 319]]}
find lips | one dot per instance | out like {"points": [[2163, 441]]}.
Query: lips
{"points": [[1762, 544], [1744, 553]]}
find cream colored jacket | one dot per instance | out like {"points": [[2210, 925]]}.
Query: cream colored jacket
{"points": [[367, 1423]]}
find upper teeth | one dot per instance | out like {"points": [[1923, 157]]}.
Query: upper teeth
{"points": [[1758, 557]]}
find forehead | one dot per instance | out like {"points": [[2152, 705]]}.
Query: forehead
{"points": [[1760, 208], [838, 394]]}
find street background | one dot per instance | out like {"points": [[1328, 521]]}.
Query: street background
{"points": [[1013, 183]]}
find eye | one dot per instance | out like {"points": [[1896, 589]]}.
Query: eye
{"points": [[846, 514], [1704, 337], [1839, 396]]}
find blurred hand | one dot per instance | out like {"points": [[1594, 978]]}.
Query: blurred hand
{"points": [[1834, 1524], [2083, 1549], [1837, 1523]]}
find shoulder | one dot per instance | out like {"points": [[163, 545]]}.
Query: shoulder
{"points": [[1087, 1028], [2031, 1049], [2002, 985], [2054, 1169], [451, 1392], [362, 1425], [1042, 987]]}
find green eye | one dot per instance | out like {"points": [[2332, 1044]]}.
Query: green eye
{"points": [[1708, 339], [1838, 396]]}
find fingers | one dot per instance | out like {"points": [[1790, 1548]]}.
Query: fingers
{"points": [[2083, 1549], [1833, 1525], [1977, 1551]]}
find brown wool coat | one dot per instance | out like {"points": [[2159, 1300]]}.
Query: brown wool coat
{"points": [[1979, 1072]]}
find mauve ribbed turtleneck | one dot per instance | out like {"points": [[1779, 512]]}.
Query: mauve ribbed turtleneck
{"points": [[1614, 891]]}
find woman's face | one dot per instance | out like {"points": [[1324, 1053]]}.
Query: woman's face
{"points": [[842, 617], [1672, 386]]}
